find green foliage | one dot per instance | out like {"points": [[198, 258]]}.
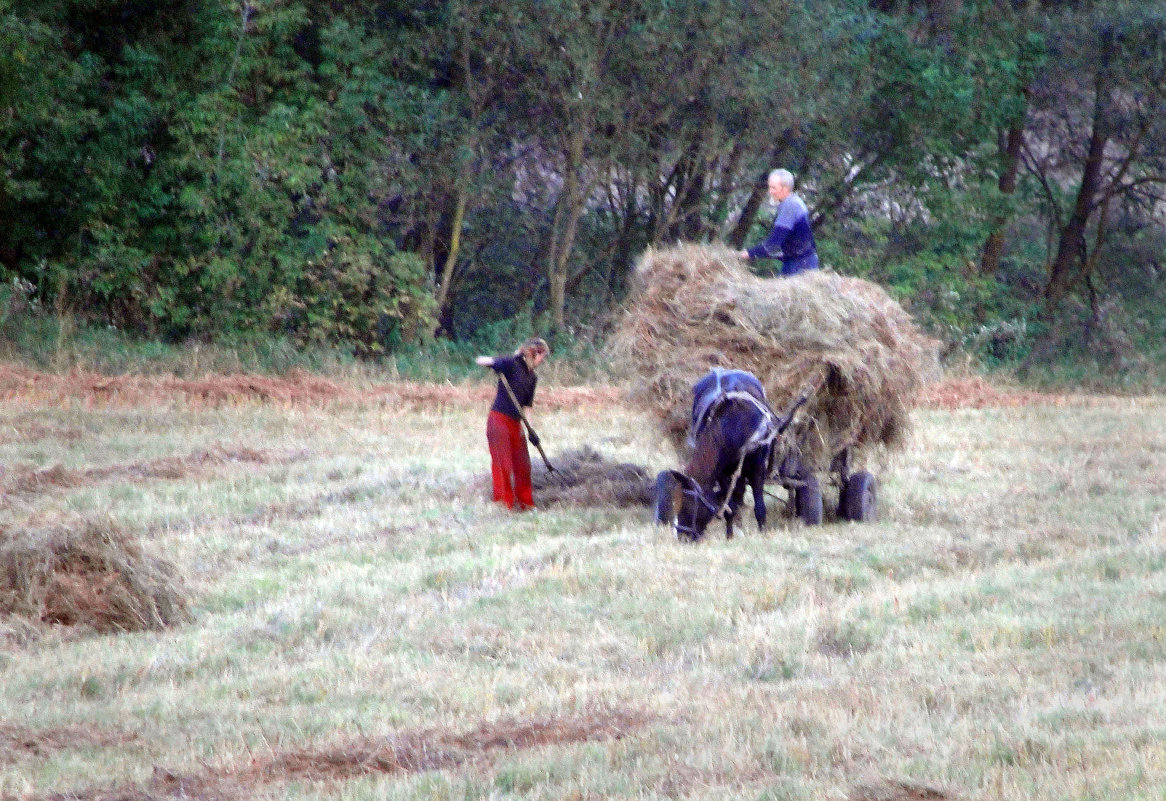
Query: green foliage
{"points": [[931, 269], [355, 295], [212, 193], [362, 177]]}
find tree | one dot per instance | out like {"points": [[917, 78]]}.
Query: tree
{"points": [[210, 168], [1014, 28], [1100, 120]]}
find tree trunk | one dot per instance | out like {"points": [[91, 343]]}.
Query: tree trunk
{"points": [[455, 239], [1011, 144], [684, 221], [564, 240], [736, 237], [720, 210], [1071, 248]]}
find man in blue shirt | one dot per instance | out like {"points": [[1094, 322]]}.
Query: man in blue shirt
{"points": [[791, 239]]}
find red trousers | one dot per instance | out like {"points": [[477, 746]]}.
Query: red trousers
{"points": [[509, 461]]}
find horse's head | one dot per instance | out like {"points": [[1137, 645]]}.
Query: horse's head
{"points": [[682, 504]]}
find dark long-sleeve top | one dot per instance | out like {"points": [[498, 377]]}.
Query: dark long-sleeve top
{"points": [[791, 238], [522, 380]]}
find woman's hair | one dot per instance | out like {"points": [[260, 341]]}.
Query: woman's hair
{"points": [[536, 344]]}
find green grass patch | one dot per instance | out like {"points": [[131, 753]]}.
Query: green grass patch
{"points": [[997, 633]]}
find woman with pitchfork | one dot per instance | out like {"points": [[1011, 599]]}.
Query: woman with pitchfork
{"points": [[509, 457]]}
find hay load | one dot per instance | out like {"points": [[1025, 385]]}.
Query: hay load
{"points": [[694, 306]]}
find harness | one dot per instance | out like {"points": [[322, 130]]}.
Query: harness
{"points": [[725, 383], [690, 530], [770, 428], [763, 436]]}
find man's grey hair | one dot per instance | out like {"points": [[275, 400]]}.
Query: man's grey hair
{"points": [[783, 177]]}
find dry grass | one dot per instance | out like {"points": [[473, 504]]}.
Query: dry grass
{"points": [[585, 477], [84, 572], [364, 624]]}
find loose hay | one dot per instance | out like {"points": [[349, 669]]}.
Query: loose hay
{"points": [[87, 573], [583, 477], [695, 306]]}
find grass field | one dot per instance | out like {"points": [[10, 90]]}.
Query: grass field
{"points": [[364, 624]]}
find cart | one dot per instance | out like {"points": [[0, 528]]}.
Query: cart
{"points": [[857, 491]]}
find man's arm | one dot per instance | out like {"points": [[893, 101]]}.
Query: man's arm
{"points": [[771, 248]]}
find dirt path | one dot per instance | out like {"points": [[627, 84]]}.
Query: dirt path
{"points": [[402, 752]]}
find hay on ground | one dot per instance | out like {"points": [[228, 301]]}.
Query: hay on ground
{"points": [[584, 477], [89, 573], [694, 306]]}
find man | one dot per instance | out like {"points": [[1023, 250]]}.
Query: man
{"points": [[509, 458], [791, 239]]}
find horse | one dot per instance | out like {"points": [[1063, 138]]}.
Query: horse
{"points": [[732, 435]]}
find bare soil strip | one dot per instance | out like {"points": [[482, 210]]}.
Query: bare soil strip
{"points": [[405, 752], [978, 393], [300, 388], [897, 791], [28, 480], [19, 741]]}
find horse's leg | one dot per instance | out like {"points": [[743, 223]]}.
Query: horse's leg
{"points": [[729, 524], [757, 472], [734, 504]]}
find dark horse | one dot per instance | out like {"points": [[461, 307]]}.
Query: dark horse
{"points": [[732, 433]]}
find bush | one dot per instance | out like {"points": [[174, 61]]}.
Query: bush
{"points": [[359, 298]]}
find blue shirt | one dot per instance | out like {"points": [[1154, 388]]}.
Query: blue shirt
{"points": [[791, 239]]}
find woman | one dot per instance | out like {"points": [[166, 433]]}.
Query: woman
{"points": [[509, 458]]}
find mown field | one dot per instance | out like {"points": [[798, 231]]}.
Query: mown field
{"points": [[364, 624]]}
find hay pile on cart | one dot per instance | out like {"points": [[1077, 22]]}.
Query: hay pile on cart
{"points": [[692, 307]]}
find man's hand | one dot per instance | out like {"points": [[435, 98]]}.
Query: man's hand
{"points": [[485, 361], [743, 254], [534, 440]]}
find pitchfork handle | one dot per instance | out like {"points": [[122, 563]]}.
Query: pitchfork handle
{"points": [[529, 427]]}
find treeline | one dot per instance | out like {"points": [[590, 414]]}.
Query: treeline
{"points": [[373, 174]]}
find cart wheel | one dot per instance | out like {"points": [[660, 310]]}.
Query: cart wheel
{"points": [[859, 499], [808, 502]]}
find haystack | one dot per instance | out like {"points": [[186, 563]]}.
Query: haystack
{"points": [[694, 306], [584, 477], [87, 572]]}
